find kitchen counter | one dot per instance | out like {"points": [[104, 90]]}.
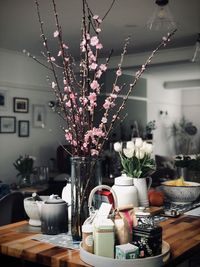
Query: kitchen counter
{"points": [[16, 240]]}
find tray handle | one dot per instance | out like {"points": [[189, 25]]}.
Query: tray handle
{"points": [[100, 187]]}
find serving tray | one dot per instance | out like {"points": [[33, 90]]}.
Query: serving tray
{"points": [[98, 261]]}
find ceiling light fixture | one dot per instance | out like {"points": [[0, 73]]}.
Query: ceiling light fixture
{"points": [[162, 18], [196, 56]]}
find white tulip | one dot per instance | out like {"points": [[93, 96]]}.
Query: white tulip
{"points": [[139, 153], [138, 142], [130, 145], [128, 152], [148, 148], [118, 147], [144, 145]]}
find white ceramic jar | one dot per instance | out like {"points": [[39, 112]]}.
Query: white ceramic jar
{"points": [[125, 191]]}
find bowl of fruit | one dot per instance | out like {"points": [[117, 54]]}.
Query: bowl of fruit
{"points": [[180, 191]]}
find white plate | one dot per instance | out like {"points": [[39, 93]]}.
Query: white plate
{"points": [[98, 261]]}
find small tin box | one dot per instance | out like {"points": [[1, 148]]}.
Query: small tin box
{"points": [[104, 238], [148, 239], [126, 251]]}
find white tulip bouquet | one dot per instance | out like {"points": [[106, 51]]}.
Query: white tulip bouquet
{"points": [[136, 158]]}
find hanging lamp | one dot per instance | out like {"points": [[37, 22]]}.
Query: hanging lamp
{"points": [[162, 18]]}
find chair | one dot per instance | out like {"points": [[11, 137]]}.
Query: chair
{"points": [[12, 208]]}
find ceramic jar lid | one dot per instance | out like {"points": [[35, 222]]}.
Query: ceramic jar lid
{"points": [[123, 180]]}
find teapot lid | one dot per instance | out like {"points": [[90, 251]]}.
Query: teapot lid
{"points": [[55, 199]]}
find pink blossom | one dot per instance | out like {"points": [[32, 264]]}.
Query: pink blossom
{"points": [[107, 104], [65, 46], [92, 97], [98, 30], [68, 104], [53, 85], [52, 59], [59, 53], [67, 89], [84, 144], [76, 118], [98, 74], [94, 85], [116, 88], [99, 46], [68, 136], [72, 96], [56, 33], [83, 43], [74, 143], [104, 120], [112, 104], [85, 101], [87, 36], [95, 17], [99, 20], [92, 56], [65, 97], [119, 72], [93, 66], [94, 152], [113, 96], [94, 41], [103, 67]]}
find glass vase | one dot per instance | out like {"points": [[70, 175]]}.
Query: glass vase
{"points": [[85, 175]]}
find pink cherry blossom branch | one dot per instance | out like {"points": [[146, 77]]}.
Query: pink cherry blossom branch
{"points": [[137, 76]]}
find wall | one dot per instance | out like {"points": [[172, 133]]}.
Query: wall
{"points": [[168, 102], [178, 101], [21, 77], [191, 108]]}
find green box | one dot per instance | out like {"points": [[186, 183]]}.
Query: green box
{"points": [[126, 251]]}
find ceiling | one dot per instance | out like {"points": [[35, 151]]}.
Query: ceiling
{"points": [[19, 27]]}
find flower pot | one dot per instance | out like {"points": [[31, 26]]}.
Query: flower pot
{"points": [[143, 185]]}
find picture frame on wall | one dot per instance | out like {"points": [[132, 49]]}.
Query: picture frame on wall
{"points": [[20, 105], [3, 99], [23, 128], [7, 124], [39, 116]]}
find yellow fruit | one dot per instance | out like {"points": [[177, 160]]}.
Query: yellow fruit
{"points": [[178, 182]]}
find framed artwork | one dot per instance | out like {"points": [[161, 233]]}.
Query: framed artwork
{"points": [[7, 124], [23, 128], [3, 99], [20, 105], [39, 116]]}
